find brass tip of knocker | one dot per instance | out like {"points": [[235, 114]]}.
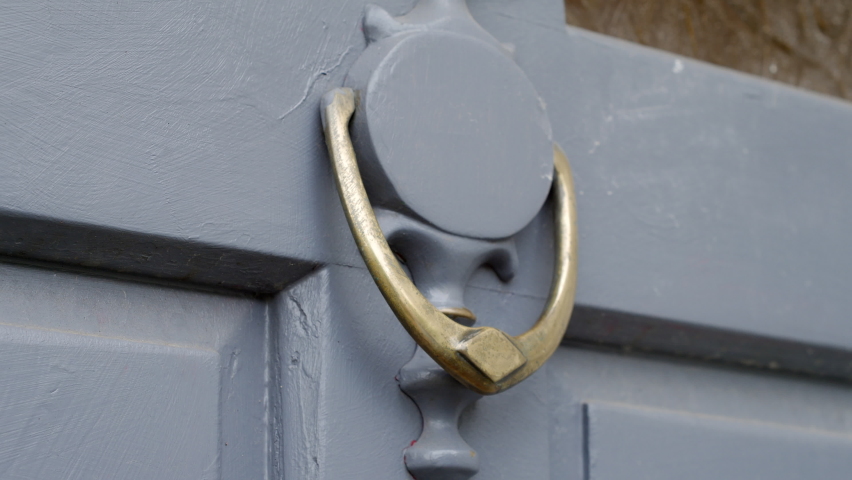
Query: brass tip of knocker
{"points": [[493, 353]]}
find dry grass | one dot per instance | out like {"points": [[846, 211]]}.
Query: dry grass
{"points": [[807, 43]]}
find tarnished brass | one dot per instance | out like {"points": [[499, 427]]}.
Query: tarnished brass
{"points": [[458, 312], [484, 359]]}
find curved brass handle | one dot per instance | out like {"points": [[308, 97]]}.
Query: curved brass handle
{"points": [[484, 359]]}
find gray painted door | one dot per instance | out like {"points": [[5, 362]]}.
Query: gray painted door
{"points": [[180, 296]]}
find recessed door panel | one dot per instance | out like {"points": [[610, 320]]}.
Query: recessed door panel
{"points": [[112, 378], [643, 443], [87, 406]]}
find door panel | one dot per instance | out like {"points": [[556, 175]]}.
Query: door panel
{"points": [[110, 378], [80, 406], [657, 417], [154, 151], [342, 412], [642, 443], [166, 162]]}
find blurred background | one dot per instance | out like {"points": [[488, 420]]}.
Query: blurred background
{"points": [[806, 43]]}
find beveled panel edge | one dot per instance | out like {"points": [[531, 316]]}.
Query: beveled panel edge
{"points": [[111, 250], [627, 440], [633, 333]]}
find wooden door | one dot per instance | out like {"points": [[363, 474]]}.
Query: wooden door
{"points": [[181, 297]]}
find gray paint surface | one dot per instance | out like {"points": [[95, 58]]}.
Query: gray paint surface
{"points": [[194, 122], [705, 197], [577, 377], [340, 410], [182, 141], [440, 452], [642, 443], [629, 332], [447, 127], [441, 264], [84, 406], [107, 378], [342, 413]]}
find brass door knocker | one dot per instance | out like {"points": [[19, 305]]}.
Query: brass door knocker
{"points": [[484, 359]]}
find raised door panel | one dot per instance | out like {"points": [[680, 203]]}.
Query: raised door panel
{"points": [[109, 378], [626, 441], [628, 416]]}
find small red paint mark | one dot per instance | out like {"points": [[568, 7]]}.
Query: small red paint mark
{"points": [[412, 443]]}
